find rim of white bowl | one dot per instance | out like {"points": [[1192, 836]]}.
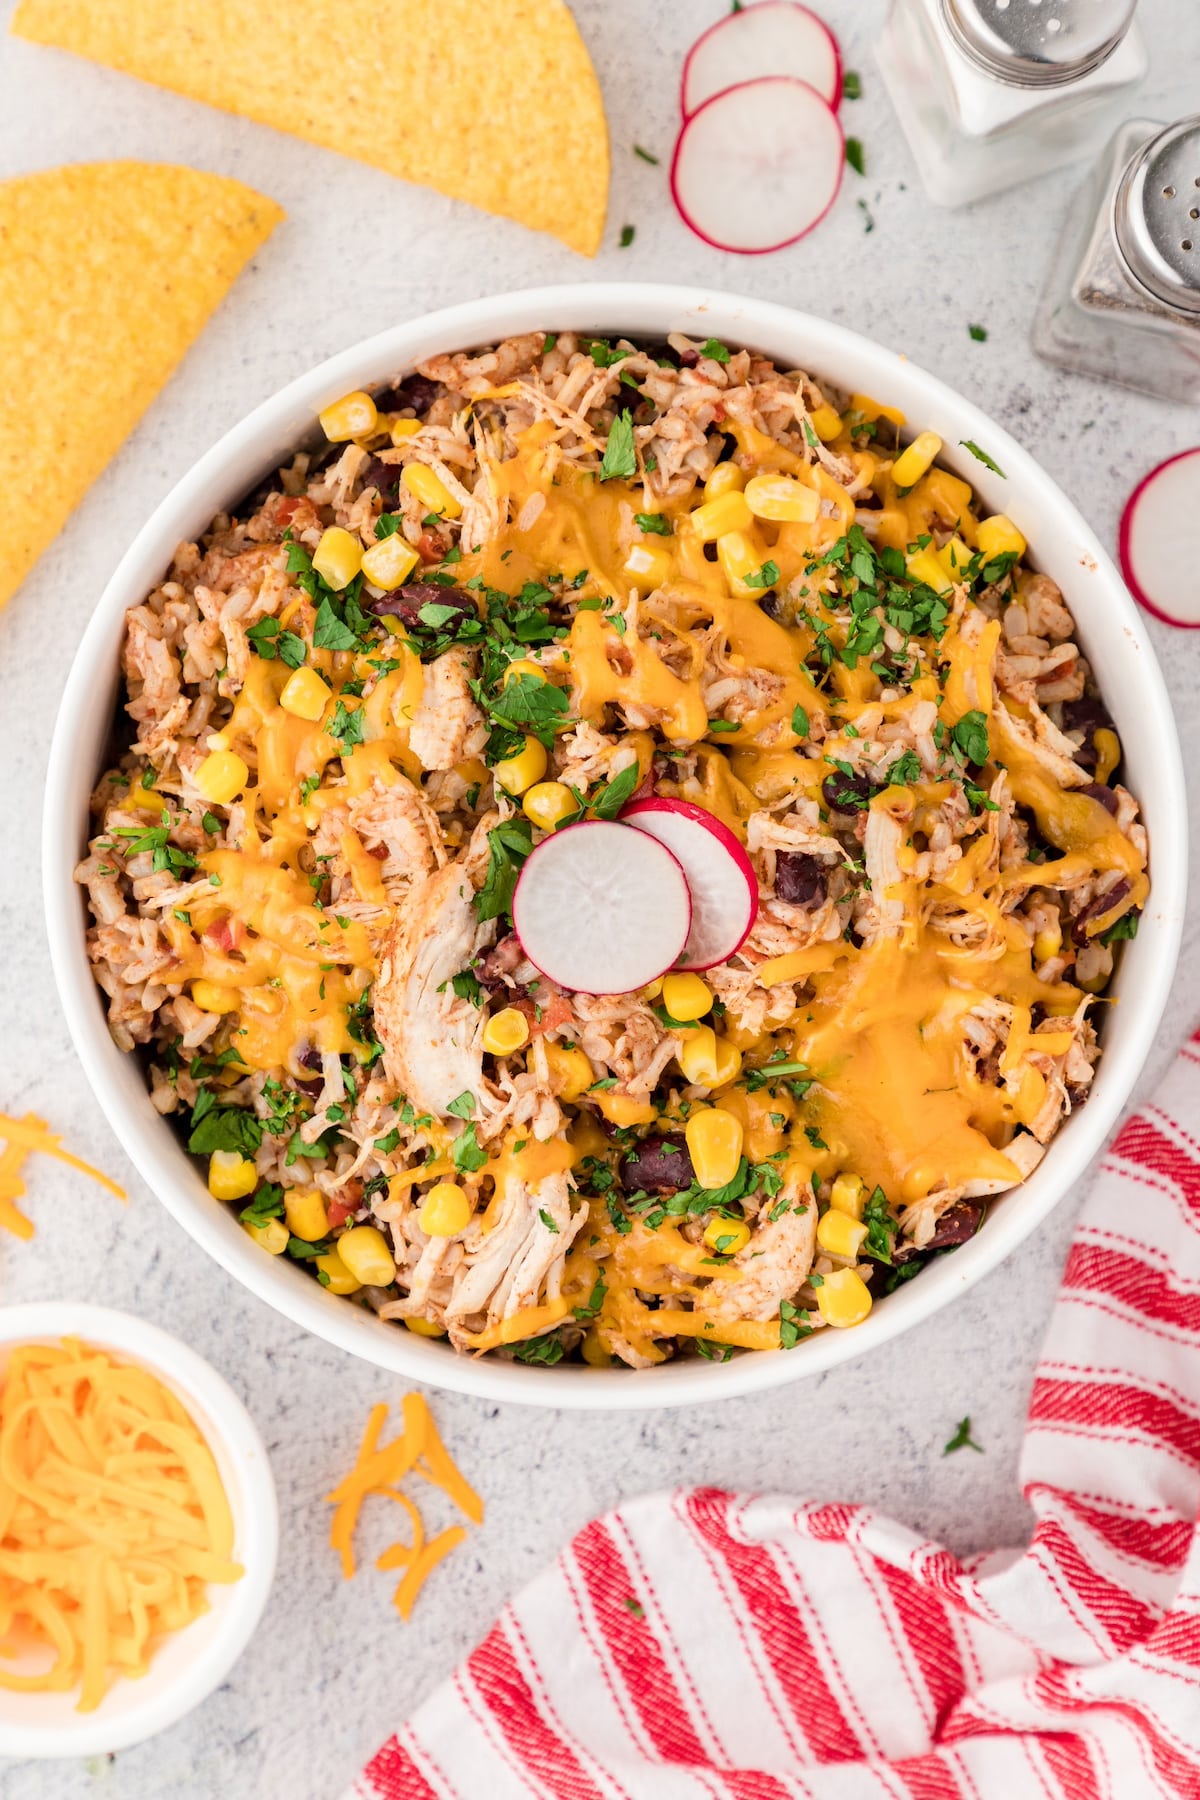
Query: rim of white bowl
{"points": [[235, 1440], [232, 468]]}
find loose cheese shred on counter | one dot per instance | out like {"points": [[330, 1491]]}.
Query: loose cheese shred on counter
{"points": [[21, 1138], [113, 1519], [377, 1470]]}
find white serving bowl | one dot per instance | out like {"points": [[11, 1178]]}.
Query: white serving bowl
{"points": [[1110, 629], [190, 1663]]}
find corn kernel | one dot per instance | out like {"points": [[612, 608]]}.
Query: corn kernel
{"points": [[923, 565], [843, 1298], [211, 998], [954, 556], [403, 429], [548, 803], [230, 1175], [594, 1351], [338, 557], [912, 463], [739, 556], [649, 566], [304, 1210], [505, 1032], [697, 1056], [623, 1109], [728, 512], [840, 1235], [222, 776], [570, 1070], [826, 423], [714, 1141], [425, 1328], [728, 1063], [445, 1210], [686, 997], [653, 989], [999, 536], [1047, 943], [304, 694], [430, 490], [334, 1275], [352, 416], [517, 773], [783, 498], [368, 1256], [523, 665], [272, 1236], [726, 478], [389, 563], [727, 1236], [848, 1195], [144, 799], [1108, 752]]}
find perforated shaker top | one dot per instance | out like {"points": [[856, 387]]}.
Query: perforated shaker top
{"points": [[1156, 216], [1038, 43]]}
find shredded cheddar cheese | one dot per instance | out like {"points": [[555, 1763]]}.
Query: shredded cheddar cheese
{"points": [[21, 1138], [113, 1519], [377, 1470]]}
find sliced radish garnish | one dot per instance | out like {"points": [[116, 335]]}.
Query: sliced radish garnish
{"points": [[775, 38], [1160, 550], [719, 875], [601, 909], [758, 165]]}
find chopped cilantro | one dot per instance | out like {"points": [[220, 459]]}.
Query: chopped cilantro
{"points": [[508, 846], [468, 1157], [715, 350], [765, 577], [216, 1127], [653, 522], [856, 156], [620, 460], [615, 793], [645, 155], [983, 457], [851, 85], [466, 986], [977, 333], [547, 1220], [329, 633], [793, 1325], [346, 726], [546, 1350], [1124, 927], [627, 236], [962, 1439], [463, 1105], [799, 721], [970, 736]]}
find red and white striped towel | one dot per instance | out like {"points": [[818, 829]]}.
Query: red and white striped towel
{"points": [[707, 1644]]}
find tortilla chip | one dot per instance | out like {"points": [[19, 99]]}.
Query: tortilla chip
{"points": [[107, 273], [491, 101]]}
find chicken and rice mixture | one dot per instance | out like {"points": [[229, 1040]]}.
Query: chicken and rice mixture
{"points": [[518, 589]]}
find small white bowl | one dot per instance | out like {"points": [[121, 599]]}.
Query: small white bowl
{"points": [[1111, 631], [190, 1663]]}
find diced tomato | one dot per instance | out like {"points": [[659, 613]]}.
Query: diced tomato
{"points": [[379, 852], [339, 1211], [285, 512], [430, 548], [226, 934], [554, 1011]]}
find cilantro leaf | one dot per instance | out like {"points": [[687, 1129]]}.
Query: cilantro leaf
{"points": [[620, 460], [468, 1157], [971, 737], [508, 846], [615, 793], [347, 726], [715, 350], [765, 577], [962, 1439], [799, 721], [329, 633], [656, 523], [529, 704], [856, 155], [466, 985], [983, 457], [216, 1127], [463, 1106]]}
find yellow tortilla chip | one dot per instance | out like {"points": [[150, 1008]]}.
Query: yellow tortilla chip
{"points": [[107, 273], [491, 101]]}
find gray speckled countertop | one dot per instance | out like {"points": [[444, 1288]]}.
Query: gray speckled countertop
{"points": [[331, 1669]]}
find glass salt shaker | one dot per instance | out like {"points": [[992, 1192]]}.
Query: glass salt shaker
{"points": [[994, 92], [1123, 299]]}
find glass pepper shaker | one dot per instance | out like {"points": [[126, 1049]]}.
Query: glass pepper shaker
{"points": [[1123, 299], [993, 92]]}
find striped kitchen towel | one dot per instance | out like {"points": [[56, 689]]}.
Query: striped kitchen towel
{"points": [[704, 1644]]}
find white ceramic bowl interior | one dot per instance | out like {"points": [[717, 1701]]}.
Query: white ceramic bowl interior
{"points": [[190, 1663], [1110, 629]]}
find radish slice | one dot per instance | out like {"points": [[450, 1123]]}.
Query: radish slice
{"points": [[601, 909], [758, 165], [1160, 548], [719, 875], [775, 38]]}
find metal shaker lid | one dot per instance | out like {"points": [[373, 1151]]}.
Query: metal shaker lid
{"points": [[1038, 43], [1156, 216]]}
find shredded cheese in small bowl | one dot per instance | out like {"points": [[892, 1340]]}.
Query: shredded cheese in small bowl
{"points": [[138, 1530]]}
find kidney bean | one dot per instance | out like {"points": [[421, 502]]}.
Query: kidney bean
{"points": [[385, 476], [957, 1224], [1104, 795], [1088, 715], [659, 1165], [800, 879], [497, 966], [1096, 908], [847, 793], [405, 603], [415, 391]]}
